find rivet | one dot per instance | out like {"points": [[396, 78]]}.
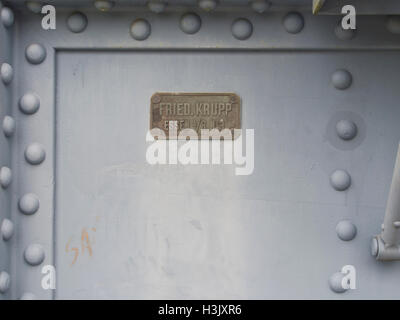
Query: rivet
{"points": [[34, 6], [156, 98], [29, 204], [190, 23], [5, 177], [5, 280], [157, 6], [7, 229], [29, 103], [140, 29], [346, 129], [382, 227], [104, 5], [8, 126], [34, 254], [340, 180], [396, 224], [335, 282], [393, 24], [7, 73], [346, 230], [77, 22], [342, 79], [35, 153], [207, 5], [7, 17], [35, 53], [344, 34], [242, 29], [260, 6], [293, 22]]}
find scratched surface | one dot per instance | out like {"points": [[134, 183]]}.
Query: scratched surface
{"points": [[125, 229]]}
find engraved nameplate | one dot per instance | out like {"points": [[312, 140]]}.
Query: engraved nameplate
{"points": [[178, 111]]}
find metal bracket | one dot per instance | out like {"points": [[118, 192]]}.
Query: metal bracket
{"points": [[385, 246]]}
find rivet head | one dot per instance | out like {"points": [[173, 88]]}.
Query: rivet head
{"points": [[77, 22], [7, 73], [29, 103], [5, 281], [8, 126], [35, 153], [340, 180], [346, 230], [344, 34], [157, 6], [35, 53], [190, 23], [396, 224], [156, 98], [7, 17], [335, 282], [34, 254], [140, 29], [293, 22], [34, 6], [242, 29], [104, 5], [346, 129], [7, 229], [5, 177], [207, 5], [29, 204], [342, 79], [393, 24], [260, 6], [28, 296]]}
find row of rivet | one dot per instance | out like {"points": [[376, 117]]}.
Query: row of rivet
{"points": [[241, 28], [260, 6], [340, 179], [190, 23], [158, 6], [34, 154], [6, 74]]}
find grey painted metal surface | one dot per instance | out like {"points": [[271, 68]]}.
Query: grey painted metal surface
{"points": [[84, 199]]}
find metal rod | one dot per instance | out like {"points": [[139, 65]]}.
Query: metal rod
{"points": [[390, 234]]}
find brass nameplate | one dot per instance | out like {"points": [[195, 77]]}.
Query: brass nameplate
{"points": [[195, 111]]}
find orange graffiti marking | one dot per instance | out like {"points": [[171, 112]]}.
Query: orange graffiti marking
{"points": [[86, 243], [85, 239]]}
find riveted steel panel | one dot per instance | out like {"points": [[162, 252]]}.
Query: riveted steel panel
{"points": [[85, 199]]}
